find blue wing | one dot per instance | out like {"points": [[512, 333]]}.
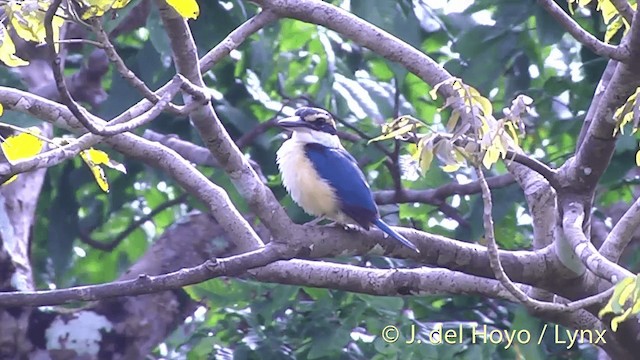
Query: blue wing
{"points": [[341, 171]]}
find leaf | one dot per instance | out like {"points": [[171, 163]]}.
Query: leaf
{"points": [[434, 92], [425, 153], [188, 9], [607, 9], [8, 51], [616, 303], [618, 319], [612, 29], [94, 158], [99, 7], [512, 132], [398, 127], [453, 120], [624, 114], [27, 19], [638, 158], [23, 145]]}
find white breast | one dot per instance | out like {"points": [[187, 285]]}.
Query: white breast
{"points": [[304, 184]]}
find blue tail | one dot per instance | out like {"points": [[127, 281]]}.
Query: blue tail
{"points": [[384, 227]]}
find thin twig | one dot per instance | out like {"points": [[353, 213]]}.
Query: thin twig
{"points": [[122, 68], [501, 275], [56, 65], [85, 237], [619, 53], [61, 153]]}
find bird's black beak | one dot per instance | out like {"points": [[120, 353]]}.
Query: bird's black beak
{"points": [[293, 122]]}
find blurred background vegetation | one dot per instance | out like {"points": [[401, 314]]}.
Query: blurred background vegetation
{"points": [[501, 47]]}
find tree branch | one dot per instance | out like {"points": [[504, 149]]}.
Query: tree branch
{"points": [[152, 153], [594, 155], [124, 71], [620, 53], [57, 155], [85, 237], [503, 278], [573, 217], [145, 284], [438, 195], [625, 9], [622, 233], [214, 135]]}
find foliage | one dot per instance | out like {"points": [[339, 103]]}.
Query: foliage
{"points": [[505, 53]]}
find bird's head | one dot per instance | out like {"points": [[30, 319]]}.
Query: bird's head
{"points": [[312, 125]]}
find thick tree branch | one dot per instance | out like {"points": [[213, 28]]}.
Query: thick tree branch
{"points": [[150, 152], [214, 135], [573, 217], [594, 155], [503, 278], [144, 284], [605, 79], [57, 155]]}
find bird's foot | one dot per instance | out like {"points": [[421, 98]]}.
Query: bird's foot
{"points": [[345, 227], [315, 221]]}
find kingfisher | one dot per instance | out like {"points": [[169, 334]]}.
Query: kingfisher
{"points": [[323, 178]]}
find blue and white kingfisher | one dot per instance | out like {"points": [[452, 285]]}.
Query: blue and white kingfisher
{"points": [[323, 178]]}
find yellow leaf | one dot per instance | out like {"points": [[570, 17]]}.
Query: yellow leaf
{"points": [[100, 177], [618, 319], [605, 310], [8, 50], [607, 9], [99, 7], [612, 29], [96, 170], [398, 127], [449, 168], [1, 109], [512, 132], [98, 157], [425, 151], [484, 103], [22, 145], [625, 294], [453, 120], [612, 305], [490, 157], [94, 158], [186, 8], [434, 92], [624, 114], [27, 19]]}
